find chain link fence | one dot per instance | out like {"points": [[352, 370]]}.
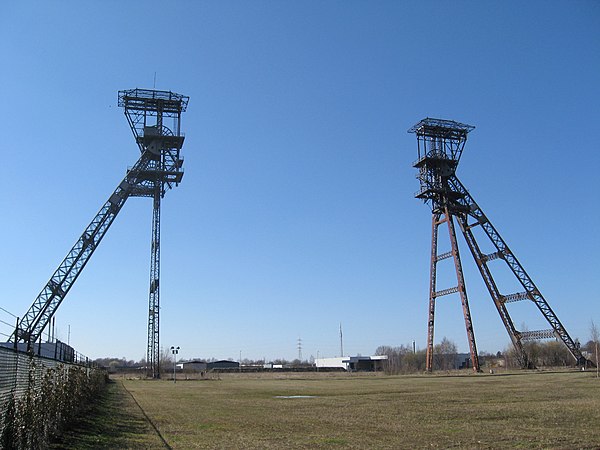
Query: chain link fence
{"points": [[38, 395], [20, 372]]}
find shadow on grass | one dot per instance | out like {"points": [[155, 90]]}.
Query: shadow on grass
{"points": [[114, 421]]}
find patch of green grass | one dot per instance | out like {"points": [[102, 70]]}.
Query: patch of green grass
{"points": [[334, 441], [114, 421]]}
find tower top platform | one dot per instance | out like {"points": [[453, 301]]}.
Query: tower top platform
{"points": [[440, 140], [151, 100], [147, 109], [441, 128]]}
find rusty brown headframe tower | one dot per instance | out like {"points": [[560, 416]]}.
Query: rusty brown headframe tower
{"points": [[440, 144]]}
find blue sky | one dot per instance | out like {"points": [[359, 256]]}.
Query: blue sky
{"points": [[297, 208]]}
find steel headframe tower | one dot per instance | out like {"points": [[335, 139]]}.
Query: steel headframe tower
{"points": [[440, 144], [147, 111], [158, 168]]}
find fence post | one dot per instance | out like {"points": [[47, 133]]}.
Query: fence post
{"points": [[16, 335]]}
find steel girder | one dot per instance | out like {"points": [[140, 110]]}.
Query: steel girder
{"points": [[31, 325], [153, 351], [531, 291], [493, 290], [432, 289], [460, 288]]}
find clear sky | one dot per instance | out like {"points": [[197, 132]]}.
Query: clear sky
{"points": [[297, 208]]}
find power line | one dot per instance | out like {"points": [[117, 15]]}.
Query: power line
{"points": [[6, 323], [8, 312]]}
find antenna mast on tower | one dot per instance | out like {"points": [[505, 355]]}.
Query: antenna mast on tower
{"points": [[341, 342]]}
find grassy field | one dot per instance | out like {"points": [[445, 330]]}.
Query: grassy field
{"points": [[524, 410]]}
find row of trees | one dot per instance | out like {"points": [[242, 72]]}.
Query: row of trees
{"points": [[403, 359], [166, 362], [542, 354]]}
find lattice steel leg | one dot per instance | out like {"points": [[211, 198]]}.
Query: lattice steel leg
{"points": [[481, 261], [531, 292], [437, 220], [432, 290], [462, 291], [154, 297]]}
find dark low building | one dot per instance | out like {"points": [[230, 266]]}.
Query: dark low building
{"points": [[352, 363], [223, 364], [203, 366], [366, 363], [194, 366]]}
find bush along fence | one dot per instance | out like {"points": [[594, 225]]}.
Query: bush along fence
{"points": [[39, 396]]}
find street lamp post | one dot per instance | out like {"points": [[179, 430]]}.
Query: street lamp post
{"points": [[175, 351]]}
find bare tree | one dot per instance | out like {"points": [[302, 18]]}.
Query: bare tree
{"points": [[166, 361], [553, 354], [595, 336], [401, 359], [444, 354]]}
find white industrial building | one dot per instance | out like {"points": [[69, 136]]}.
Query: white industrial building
{"points": [[353, 363], [332, 362]]}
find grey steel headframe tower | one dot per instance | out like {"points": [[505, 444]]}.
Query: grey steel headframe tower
{"points": [[440, 144], [158, 168], [147, 111]]}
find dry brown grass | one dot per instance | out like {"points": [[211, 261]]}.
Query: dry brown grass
{"points": [[544, 410], [525, 410]]}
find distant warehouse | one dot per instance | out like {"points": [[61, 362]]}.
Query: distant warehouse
{"points": [[204, 366]]}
